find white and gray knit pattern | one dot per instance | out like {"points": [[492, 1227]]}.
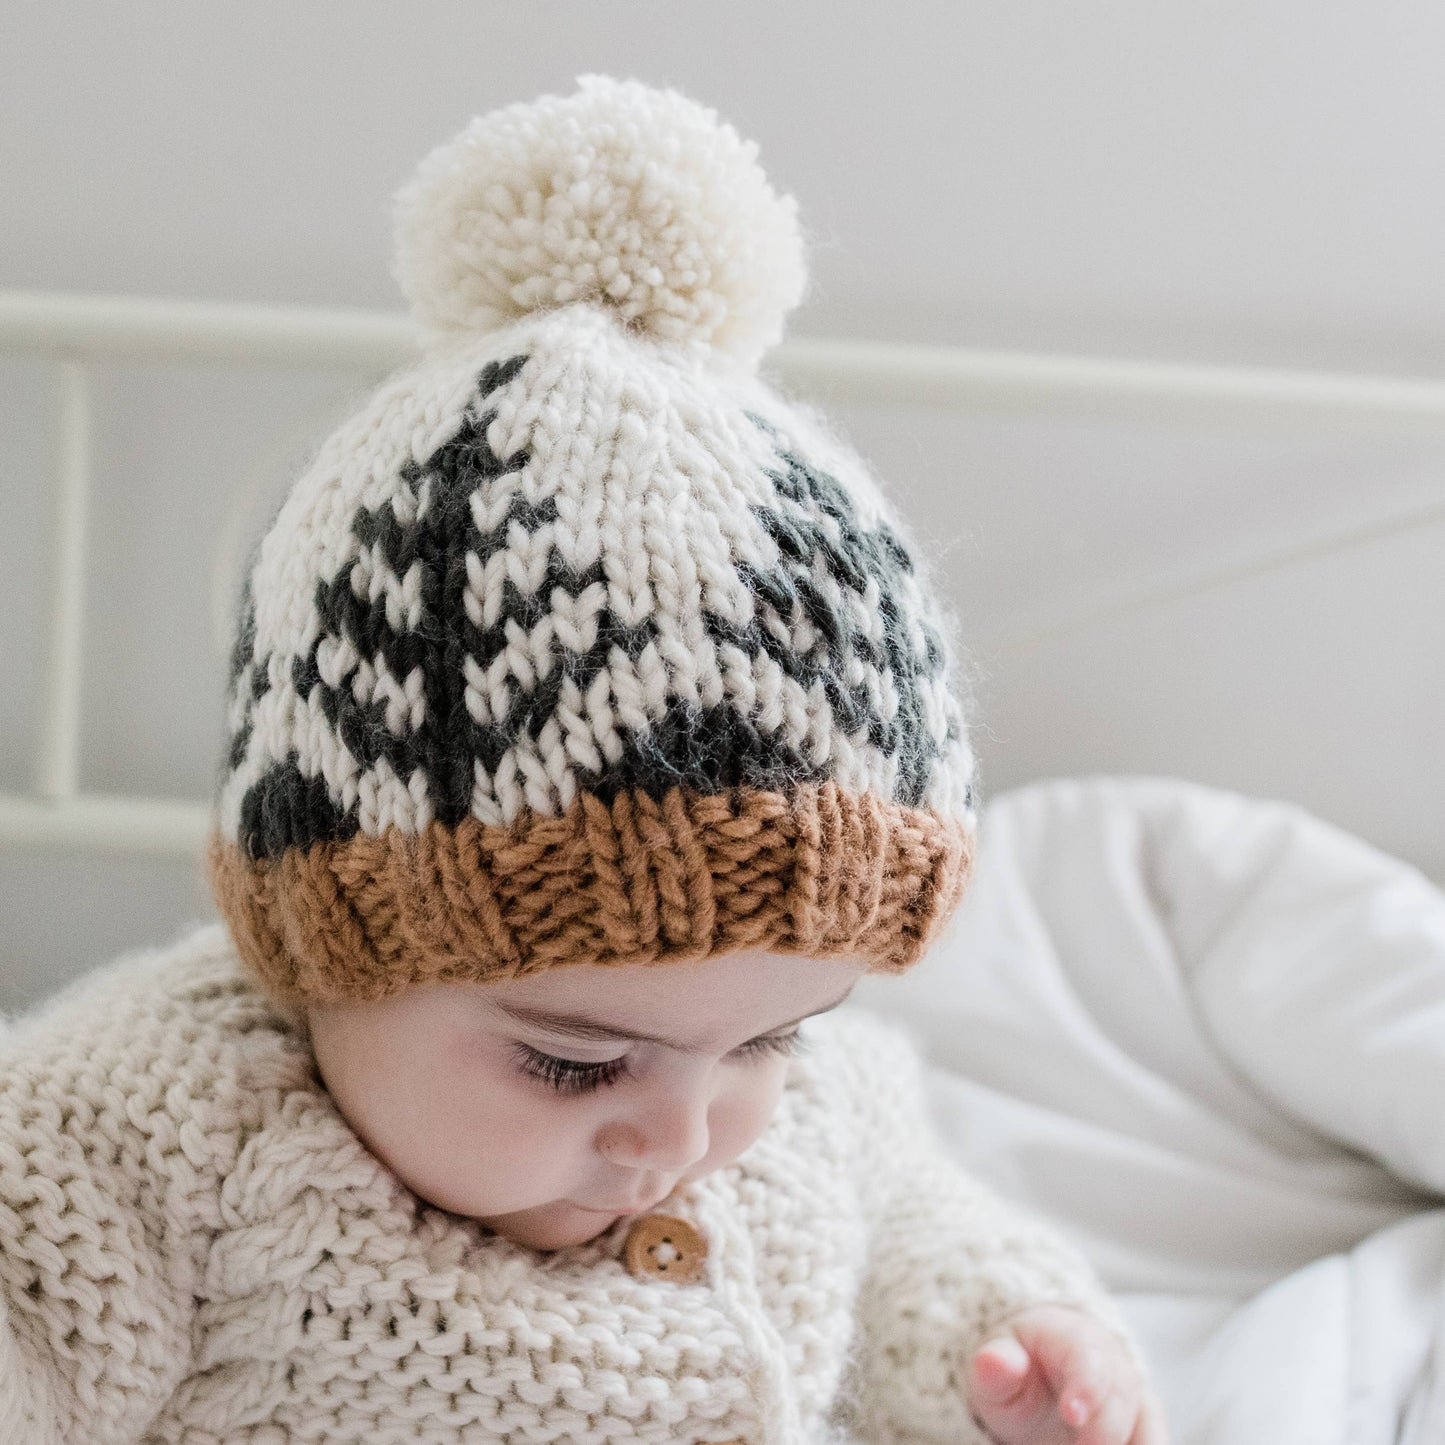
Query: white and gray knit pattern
{"points": [[568, 558], [195, 1249]]}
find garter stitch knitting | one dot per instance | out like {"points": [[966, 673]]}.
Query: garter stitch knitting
{"points": [[579, 644]]}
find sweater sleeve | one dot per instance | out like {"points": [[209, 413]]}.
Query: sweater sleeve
{"points": [[108, 1172], [949, 1260]]}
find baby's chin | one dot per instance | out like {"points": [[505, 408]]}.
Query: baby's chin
{"points": [[550, 1226]]}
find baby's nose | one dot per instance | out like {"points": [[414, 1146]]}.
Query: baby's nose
{"points": [[670, 1138]]}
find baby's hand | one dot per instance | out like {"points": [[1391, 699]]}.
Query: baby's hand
{"points": [[1061, 1377]]}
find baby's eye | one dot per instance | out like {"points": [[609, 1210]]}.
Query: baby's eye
{"points": [[569, 1076], [772, 1044], [572, 1076]]}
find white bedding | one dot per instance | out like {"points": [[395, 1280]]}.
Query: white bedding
{"points": [[1206, 1034]]}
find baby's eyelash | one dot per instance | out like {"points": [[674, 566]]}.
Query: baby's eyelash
{"points": [[774, 1044], [571, 1076]]}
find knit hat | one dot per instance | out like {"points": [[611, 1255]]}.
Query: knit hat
{"points": [[578, 644]]}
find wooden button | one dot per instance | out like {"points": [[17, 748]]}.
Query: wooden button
{"points": [[660, 1246]]}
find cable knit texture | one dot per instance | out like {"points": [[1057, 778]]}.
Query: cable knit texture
{"points": [[196, 1249]]}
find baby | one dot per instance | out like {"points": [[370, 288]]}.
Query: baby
{"points": [[592, 732]]}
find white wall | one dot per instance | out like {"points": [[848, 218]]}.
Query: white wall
{"points": [[1246, 181]]}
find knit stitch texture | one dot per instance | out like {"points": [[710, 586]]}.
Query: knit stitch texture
{"points": [[196, 1249], [578, 643]]}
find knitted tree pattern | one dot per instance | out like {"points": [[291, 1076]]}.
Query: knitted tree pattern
{"points": [[831, 579]]}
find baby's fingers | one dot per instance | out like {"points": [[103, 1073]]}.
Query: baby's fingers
{"points": [[1129, 1415], [1005, 1384], [1112, 1423], [1099, 1391]]}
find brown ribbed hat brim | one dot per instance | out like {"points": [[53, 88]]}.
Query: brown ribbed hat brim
{"points": [[817, 871]]}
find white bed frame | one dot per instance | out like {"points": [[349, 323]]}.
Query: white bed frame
{"points": [[78, 332]]}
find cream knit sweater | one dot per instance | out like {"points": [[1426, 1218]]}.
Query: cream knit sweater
{"points": [[194, 1247]]}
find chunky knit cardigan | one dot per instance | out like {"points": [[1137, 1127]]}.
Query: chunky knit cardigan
{"points": [[196, 1248]]}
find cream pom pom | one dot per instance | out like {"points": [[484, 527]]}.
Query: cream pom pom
{"points": [[621, 195]]}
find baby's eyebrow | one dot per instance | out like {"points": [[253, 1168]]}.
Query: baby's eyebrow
{"points": [[580, 1026]]}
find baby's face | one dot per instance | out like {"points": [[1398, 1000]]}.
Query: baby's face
{"points": [[546, 1107]]}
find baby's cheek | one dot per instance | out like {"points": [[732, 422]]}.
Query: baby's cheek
{"points": [[739, 1115]]}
